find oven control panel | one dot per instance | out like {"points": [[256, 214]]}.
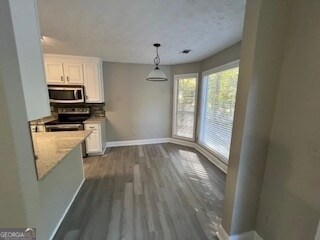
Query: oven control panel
{"points": [[73, 110]]}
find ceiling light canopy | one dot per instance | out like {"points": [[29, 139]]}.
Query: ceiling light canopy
{"points": [[156, 74]]}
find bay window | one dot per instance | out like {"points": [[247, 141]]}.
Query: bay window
{"points": [[218, 98], [184, 106]]}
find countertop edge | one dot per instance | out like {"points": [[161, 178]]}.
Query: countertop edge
{"points": [[43, 173], [95, 120]]}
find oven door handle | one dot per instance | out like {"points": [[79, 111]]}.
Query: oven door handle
{"points": [[63, 126], [75, 94]]}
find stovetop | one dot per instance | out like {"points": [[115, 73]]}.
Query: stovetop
{"points": [[71, 116]]}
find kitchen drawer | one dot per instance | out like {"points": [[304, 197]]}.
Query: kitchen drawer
{"points": [[92, 126]]}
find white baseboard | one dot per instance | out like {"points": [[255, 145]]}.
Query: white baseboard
{"points": [[251, 235], [66, 211], [137, 142], [182, 142], [98, 153], [223, 167]]}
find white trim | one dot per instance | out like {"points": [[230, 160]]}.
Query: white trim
{"points": [[175, 86], [71, 57], [104, 149], [182, 142], [218, 163], [137, 142], [221, 68], [98, 153], [251, 235], [66, 211]]}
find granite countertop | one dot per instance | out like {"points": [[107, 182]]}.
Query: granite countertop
{"points": [[95, 119], [43, 120], [52, 147]]}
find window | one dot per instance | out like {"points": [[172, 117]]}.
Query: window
{"points": [[218, 97], [184, 108]]}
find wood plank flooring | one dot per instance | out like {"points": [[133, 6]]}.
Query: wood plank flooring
{"points": [[160, 191]]}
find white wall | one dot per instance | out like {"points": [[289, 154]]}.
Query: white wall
{"points": [[263, 42], [18, 185], [227, 55], [290, 201], [57, 190], [21, 195], [136, 108], [29, 51]]}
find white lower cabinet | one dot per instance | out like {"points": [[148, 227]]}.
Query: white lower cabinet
{"points": [[37, 128], [96, 142]]}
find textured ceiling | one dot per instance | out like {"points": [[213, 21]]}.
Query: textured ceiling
{"points": [[125, 30]]}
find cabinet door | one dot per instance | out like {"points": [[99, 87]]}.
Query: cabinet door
{"points": [[93, 142], [54, 71], [73, 73], [92, 83]]}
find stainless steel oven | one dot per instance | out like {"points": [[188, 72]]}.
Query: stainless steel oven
{"points": [[64, 127], [70, 119], [66, 94]]}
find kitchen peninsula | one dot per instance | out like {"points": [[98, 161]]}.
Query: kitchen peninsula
{"points": [[59, 165], [51, 148]]}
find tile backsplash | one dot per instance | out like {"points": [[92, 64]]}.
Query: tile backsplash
{"points": [[96, 109]]}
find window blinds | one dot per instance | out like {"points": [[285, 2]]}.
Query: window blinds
{"points": [[218, 102], [185, 106]]}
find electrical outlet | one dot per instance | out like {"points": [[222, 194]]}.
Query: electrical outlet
{"points": [[314, 150]]}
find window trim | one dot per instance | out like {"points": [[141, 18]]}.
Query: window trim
{"points": [[174, 109], [217, 69]]}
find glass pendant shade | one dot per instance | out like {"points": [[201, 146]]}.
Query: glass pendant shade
{"points": [[157, 74]]}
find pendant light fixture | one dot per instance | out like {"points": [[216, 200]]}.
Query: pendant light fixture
{"points": [[157, 74]]}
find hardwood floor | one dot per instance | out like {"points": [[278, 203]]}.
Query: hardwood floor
{"points": [[160, 191]]}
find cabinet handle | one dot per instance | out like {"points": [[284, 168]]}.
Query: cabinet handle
{"points": [[68, 79], [86, 96], [61, 79], [91, 127]]}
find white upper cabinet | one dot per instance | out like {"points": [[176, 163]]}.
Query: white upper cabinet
{"points": [[54, 71], [26, 32], [73, 73], [93, 82], [75, 70], [60, 70]]}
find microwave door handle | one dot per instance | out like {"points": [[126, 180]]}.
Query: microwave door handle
{"points": [[75, 94]]}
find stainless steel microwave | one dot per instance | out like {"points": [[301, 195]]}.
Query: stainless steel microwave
{"points": [[66, 94]]}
